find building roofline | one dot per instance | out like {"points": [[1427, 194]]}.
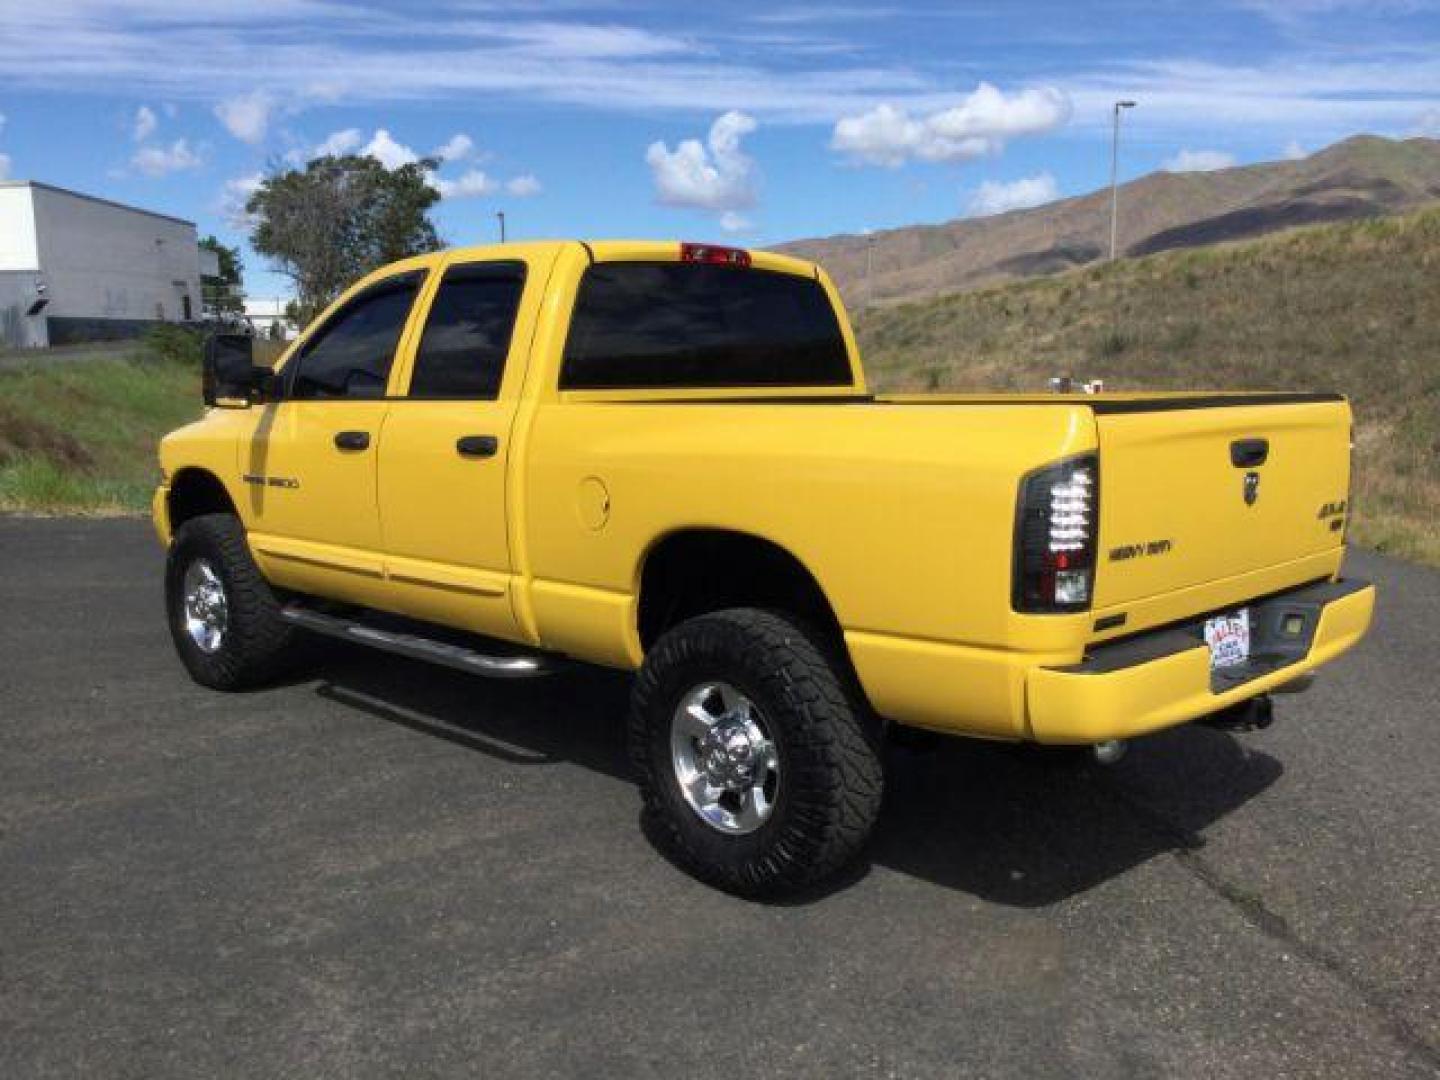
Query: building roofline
{"points": [[96, 199]]}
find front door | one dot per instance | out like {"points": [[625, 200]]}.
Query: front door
{"points": [[444, 457], [309, 468]]}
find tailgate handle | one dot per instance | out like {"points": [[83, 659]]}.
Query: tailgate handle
{"points": [[1247, 453]]}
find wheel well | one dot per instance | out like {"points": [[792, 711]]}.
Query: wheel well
{"points": [[194, 492], [692, 572]]}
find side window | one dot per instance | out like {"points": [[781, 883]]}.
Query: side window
{"points": [[467, 335], [350, 356]]}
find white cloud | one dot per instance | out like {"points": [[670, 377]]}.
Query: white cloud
{"points": [[472, 184], [995, 197], [145, 123], [4, 166], [1288, 97], [456, 148], [883, 136], [247, 116], [387, 151], [732, 222], [1294, 151], [234, 195], [160, 160], [392, 154], [572, 40], [1199, 161], [715, 175], [1428, 124], [338, 144], [981, 124], [475, 183], [372, 56], [1290, 12]]}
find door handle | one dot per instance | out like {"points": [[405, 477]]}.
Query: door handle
{"points": [[352, 440], [1247, 453], [477, 446]]}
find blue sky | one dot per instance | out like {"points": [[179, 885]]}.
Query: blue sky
{"points": [[753, 122]]}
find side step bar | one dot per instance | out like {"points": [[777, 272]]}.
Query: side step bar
{"points": [[419, 648]]}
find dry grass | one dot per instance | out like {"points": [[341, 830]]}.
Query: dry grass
{"points": [[1353, 307]]}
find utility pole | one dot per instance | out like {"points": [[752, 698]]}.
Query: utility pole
{"points": [[501, 215], [1115, 176]]}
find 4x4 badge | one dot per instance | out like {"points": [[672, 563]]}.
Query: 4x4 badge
{"points": [[1252, 488]]}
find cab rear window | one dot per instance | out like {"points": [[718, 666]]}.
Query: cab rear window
{"points": [[644, 325]]}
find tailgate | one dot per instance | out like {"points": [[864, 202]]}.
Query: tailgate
{"points": [[1193, 491]]}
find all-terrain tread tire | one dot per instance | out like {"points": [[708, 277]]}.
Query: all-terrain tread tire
{"points": [[832, 775], [258, 642]]}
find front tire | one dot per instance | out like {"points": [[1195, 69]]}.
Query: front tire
{"points": [[760, 769], [224, 617]]}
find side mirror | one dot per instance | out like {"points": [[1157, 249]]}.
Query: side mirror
{"points": [[230, 378]]}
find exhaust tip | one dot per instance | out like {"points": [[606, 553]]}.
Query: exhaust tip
{"points": [[1109, 752]]}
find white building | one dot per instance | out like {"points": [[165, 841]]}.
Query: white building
{"points": [[77, 268], [266, 313]]}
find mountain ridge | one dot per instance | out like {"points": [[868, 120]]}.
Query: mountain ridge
{"points": [[1363, 176]]}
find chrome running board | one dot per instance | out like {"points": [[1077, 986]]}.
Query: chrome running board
{"points": [[418, 647]]}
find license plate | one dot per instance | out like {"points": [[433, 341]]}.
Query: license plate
{"points": [[1229, 639]]}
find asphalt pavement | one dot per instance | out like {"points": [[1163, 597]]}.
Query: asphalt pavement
{"points": [[384, 868]]}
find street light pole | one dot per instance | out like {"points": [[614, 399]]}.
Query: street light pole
{"points": [[1115, 176], [869, 267], [501, 215]]}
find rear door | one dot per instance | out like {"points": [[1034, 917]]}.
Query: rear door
{"points": [[445, 456], [1192, 494]]}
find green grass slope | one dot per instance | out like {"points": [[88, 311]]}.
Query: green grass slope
{"points": [[78, 434], [1351, 307]]}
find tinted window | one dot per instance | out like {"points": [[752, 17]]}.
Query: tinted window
{"points": [[695, 325], [350, 356], [467, 335]]}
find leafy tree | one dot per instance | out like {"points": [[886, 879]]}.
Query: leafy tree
{"points": [[226, 292], [340, 218]]}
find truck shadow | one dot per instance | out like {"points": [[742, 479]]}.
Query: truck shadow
{"points": [[1021, 826], [1031, 826]]}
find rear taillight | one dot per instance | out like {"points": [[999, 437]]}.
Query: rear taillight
{"points": [[1055, 535], [716, 256]]}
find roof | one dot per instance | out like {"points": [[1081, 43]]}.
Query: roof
{"points": [[625, 250], [95, 199]]}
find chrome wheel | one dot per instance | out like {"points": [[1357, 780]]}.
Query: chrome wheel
{"points": [[725, 761], [207, 613]]}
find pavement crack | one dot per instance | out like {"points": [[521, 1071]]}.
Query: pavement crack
{"points": [[1185, 848]]}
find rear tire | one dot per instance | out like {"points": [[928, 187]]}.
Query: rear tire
{"points": [[223, 615], [760, 770]]}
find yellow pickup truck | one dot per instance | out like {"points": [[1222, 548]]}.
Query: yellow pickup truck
{"points": [[663, 457]]}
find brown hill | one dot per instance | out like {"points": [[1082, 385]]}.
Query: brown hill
{"points": [[1361, 177]]}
